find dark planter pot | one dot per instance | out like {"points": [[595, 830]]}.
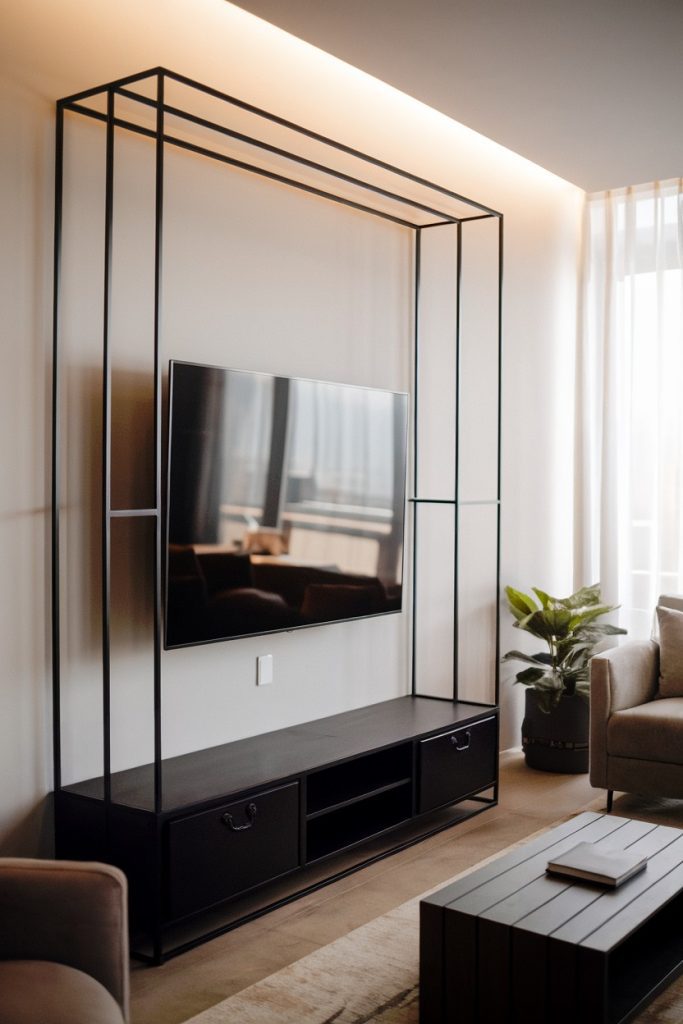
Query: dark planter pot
{"points": [[556, 742]]}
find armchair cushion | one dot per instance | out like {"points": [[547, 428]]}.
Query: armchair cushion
{"points": [[670, 652], [42, 992], [649, 732]]}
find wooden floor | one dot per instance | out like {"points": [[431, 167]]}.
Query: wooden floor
{"points": [[529, 800]]}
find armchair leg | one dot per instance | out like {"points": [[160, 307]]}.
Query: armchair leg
{"points": [[610, 797]]}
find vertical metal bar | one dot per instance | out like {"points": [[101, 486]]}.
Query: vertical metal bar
{"points": [[500, 439], [157, 937], [56, 452], [158, 245], [416, 370], [456, 506], [106, 456]]}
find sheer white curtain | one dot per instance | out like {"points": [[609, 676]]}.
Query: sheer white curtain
{"points": [[629, 509]]}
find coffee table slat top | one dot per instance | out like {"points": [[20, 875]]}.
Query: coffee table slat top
{"points": [[514, 878], [614, 902], [552, 915], [613, 932], [516, 891], [450, 893], [537, 888]]}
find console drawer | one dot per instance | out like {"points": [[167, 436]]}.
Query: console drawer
{"points": [[218, 853], [456, 763]]}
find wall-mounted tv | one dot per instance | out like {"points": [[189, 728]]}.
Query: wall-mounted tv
{"points": [[286, 503]]}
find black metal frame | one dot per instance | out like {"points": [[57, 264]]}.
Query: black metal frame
{"points": [[413, 217]]}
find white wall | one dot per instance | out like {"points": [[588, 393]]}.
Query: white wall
{"points": [[256, 276], [52, 50]]}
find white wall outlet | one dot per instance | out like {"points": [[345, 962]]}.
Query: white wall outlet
{"points": [[264, 670]]}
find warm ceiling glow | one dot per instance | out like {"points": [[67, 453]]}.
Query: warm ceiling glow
{"points": [[70, 46]]}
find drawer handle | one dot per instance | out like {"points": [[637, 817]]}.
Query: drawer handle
{"points": [[228, 820], [465, 745]]}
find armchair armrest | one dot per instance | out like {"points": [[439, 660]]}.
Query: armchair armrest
{"points": [[69, 912], [620, 678]]}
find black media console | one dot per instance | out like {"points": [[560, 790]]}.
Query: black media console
{"points": [[255, 822]]}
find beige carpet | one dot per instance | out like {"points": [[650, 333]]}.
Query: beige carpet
{"points": [[369, 975]]}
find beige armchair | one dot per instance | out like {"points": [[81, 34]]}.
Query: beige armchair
{"points": [[63, 943], [636, 735]]}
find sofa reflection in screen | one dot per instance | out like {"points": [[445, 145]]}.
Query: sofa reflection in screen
{"points": [[220, 594]]}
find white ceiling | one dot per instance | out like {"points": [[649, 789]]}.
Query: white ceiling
{"points": [[589, 89]]}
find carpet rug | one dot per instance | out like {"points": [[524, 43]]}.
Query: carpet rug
{"points": [[368, 975]]}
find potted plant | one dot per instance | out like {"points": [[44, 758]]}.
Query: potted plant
{"points": [[555, 726]]}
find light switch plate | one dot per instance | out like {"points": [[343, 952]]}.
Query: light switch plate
{"points": [[264, 670]]}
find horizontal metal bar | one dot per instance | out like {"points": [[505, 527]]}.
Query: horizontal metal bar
{"points": [[479, 704], [111, 86], [481, 216], [444, 223], [486, 501], [242, 165], [283, 122], [452, 501], [292, 182], [278, 151], [119, 122], [209, 91], [129, 513], [359, 798], [432, 501]]}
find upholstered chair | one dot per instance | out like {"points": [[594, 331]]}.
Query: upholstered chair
{"points": [[636, 711], [63, 943]]}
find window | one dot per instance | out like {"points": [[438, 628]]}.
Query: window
{"points": [[630, 425]]}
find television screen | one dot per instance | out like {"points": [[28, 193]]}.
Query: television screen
{"points": [[286, 503]]}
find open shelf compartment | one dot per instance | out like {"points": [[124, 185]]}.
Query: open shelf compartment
{"points": [[351, 824], [343, 784]]}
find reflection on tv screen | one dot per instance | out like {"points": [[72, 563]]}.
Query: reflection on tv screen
{"points": [[286, 503]]}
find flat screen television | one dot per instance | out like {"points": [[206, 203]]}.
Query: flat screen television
{"points": [[285, 505]]}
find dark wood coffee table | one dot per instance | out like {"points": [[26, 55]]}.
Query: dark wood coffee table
{"points": [[510, 943]]}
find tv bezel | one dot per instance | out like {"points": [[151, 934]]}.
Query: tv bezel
{"points": [[304, 625]]}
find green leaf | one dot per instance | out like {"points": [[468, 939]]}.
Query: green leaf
{"points": [[530, 676], [546, 624], [536, 624], [520, 656], [544, 598], [520, 604], [583, 596], [583, 689], [572, 678], [550, 681], [558, 620], [596, 631], [586, 613], [575, 657]]}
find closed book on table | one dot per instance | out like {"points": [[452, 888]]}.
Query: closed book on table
{"points": [[588, 862]]}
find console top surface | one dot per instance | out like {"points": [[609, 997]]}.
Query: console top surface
{"points": [[259, 761]]}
